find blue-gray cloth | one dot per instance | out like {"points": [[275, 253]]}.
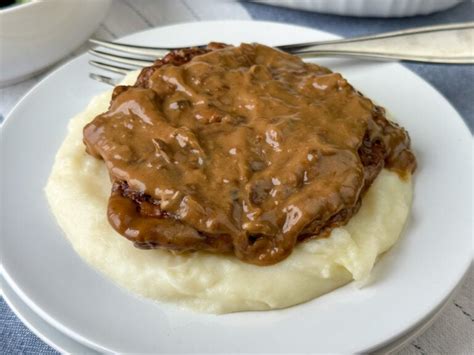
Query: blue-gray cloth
{"points": [[456, 83], [16, 338]]}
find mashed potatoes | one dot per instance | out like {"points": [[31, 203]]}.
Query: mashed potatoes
{"points": [[78, 191]]}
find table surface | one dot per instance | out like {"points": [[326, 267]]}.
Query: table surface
{"points": [[453, 331]]}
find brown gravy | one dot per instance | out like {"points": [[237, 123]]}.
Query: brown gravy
{"points": [[246, 150]]}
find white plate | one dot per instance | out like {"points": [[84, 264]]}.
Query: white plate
{"points": [[39, 326], [409, 283], [64, 344]]}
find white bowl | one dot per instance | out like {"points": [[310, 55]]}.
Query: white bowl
{"points": [[37, 34], [368, 8]]}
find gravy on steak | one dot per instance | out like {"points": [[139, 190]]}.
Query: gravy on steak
{"points": [[245, 150]]}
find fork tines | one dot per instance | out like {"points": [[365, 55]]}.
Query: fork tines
{"points": [[138, 57]]}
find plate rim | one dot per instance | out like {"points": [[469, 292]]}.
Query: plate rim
{"points": [[396, 345], [15, 303], [76, 336]]}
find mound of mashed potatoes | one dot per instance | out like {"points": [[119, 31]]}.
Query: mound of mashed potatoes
{"points": [[78, 190]]}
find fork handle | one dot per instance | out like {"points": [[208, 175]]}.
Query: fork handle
{"points": [[451, 44]]}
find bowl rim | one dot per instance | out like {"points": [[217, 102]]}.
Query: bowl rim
{"points": [[18, 7]]}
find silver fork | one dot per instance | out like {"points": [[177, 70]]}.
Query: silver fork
{"points": [[448, 44]]}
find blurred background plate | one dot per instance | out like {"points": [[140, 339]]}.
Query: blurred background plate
{"points": [[367, 8], [36, 34]]}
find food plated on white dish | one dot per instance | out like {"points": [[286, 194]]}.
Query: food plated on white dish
{"points": [[397, 270], [238, 166]]}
